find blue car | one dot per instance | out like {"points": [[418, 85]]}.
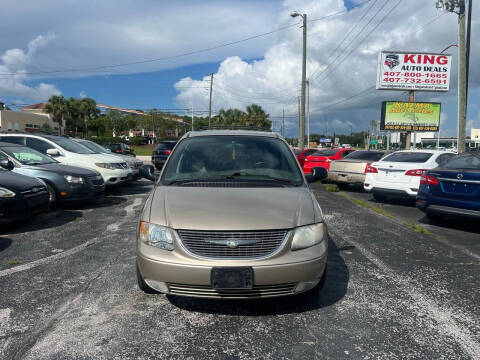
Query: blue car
{"points": [[452, 189]]}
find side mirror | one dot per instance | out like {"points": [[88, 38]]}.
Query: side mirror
{"points": [[318, 173], [53, 152], [148, 172], [7, 164]]}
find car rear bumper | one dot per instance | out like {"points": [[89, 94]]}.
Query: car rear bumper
{"points": [[428, 207], [391, 192], [344, 177]]}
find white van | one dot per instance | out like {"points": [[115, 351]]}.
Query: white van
{"points": [[69, 152]]}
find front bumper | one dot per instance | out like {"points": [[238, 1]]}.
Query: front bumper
{"points": [[24, 207], [184, 274], [114, 177]]}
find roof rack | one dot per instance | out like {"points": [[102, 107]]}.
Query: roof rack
{"points": [[233, 127]]}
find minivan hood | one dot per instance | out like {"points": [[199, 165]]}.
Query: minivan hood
{"points": [[200, 208]]}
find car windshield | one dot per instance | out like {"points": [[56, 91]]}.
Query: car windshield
{"points": [[95, 147], [28, 156], [328, 152], [364, 155], [113, 147], [464, 162], [72, 146], [410, 157], [232, 157]]}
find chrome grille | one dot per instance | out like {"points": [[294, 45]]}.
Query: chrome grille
{"points": [[261, 291], [232, 244], [95, 180]]}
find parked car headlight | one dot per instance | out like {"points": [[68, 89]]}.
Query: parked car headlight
{"points": [[110, 166], [5, 193], [156, 235], [307, 236], [73, 179]]}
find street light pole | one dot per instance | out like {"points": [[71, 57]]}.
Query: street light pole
{"points": [[301, 128], [308, 115], [458, 7], [210, 102]]}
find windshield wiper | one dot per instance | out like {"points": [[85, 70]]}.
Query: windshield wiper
{"points": [[187, 180], [261, 177]]}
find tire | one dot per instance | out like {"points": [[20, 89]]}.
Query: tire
{"points": [[53, 195], [142, 285]]}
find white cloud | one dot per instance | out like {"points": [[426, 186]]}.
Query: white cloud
{"points": [[13, 74], [82, 94], [274, 80]]}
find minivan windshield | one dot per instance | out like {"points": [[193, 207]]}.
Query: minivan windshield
{"points": [[225, 157], [28, 156], [72, 146]]}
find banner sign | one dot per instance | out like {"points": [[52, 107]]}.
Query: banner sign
{"points": [[413, 71], [410, 116], [323, 141]]}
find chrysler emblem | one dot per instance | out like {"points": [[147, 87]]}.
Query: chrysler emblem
{"points": [[460, 176], [232, 243]]}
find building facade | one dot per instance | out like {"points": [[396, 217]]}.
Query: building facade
{"points": [[30, 119]]}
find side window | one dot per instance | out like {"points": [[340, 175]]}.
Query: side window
{"points": [[13, 139], [343, 154], [39, 145]]}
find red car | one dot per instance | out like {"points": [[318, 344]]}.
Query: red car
{"points": [[323, 158], [302, 154]]}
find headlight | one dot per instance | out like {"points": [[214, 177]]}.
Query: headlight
{"points": [[155, 235], [110, 166], [307, 236], [73, 179], [5, 193]]}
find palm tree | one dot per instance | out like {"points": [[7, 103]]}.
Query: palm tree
{"points": [[88, 108], [257, 116], [57, 106]]}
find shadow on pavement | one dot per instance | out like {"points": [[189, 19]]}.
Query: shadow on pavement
{"points": [[4, 243], [105, 201], [334, 290], [453, 223], [137, 187], [48, 220]]}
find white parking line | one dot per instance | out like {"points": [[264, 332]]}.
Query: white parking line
{"points": [[111, 228], [424, 305]]}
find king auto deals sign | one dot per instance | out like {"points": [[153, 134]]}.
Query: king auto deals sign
{"points": [[413, 71]]}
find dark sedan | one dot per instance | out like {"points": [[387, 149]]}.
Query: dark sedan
{"points": [[20, 196], [161, 153], [64, 183], [452, 189]]}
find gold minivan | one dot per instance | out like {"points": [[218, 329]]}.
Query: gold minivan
{"points": [[231, 216]]}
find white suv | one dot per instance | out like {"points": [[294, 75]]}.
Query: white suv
{"points": [[398, 174], [69, 152]]}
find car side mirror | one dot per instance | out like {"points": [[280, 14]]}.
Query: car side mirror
{"points": [[318, 173], [53, 152], [148, 172], [7, 164]]}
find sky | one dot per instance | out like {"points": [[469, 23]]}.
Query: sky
{"points": [[80, 49]]}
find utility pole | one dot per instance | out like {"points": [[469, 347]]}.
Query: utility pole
{"points": [[299, 121], [408, 138], [192, 117], [458, 7], [210, 102], [308, 114], [301, 129], [283, 124]]}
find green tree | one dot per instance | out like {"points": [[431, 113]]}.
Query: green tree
{"points": [[58, 108], [87, 108], [256, 116]]}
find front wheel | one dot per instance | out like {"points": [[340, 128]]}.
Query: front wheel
{"points": [[52, 194], [143, 285]]}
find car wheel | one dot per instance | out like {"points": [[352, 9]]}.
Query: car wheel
{"points": [[143, 285], [379, 197], [52, 194], [434, 217]]}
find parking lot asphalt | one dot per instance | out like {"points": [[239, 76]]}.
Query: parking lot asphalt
{"points": [[68, 290]]}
